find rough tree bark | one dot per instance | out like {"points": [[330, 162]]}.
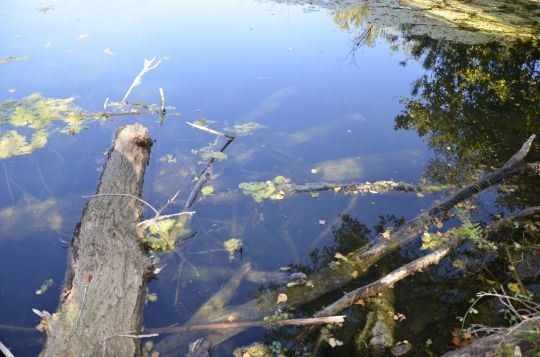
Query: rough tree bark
{"points": [[106, 280]]}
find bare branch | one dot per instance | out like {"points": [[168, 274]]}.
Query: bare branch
{"points": [[148, 66]]}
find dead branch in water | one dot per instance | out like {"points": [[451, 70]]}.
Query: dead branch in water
{"points": [[247, 324], [368, 187], [206, 173], [329, 279], [389, 280], [5, 350]]}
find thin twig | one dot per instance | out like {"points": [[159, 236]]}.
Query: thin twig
{"points": [[184, 259], [148, 66], [169, 201], [5, 350], [148, 222], [206, 129], [162, 100]]}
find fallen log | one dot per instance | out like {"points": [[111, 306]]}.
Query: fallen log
{"points": [[106, 280]]}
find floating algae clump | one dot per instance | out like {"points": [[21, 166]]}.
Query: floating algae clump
{"points": [[35, 113], [254, 350], [245, 129], [273, 190], [232, 246]]}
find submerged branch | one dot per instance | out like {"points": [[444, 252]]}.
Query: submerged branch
{"points": [[246, 324], [389, 280], [365, 187]]}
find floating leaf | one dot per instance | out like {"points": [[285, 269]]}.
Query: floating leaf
{"points": [[148, 346], [45, 286], [207, 190], [285, 268], [282, 298], [232, 246], [333, 342], [514, 287], [151, 297]]}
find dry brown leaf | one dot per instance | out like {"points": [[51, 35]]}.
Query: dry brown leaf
{"points": [[282, 298]]}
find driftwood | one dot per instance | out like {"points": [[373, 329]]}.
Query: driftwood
{"points": [[105, 284], [327, 279]]}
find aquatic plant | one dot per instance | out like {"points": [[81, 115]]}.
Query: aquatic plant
{"points": [[259, 191]]}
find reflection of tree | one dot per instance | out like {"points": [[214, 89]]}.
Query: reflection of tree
{"points": [[476, 105], [349, 236]]}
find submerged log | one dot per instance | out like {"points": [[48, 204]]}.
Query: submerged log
{"points": [[106, 280]]}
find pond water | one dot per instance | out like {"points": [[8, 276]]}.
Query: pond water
{"points": [[338, 100]]}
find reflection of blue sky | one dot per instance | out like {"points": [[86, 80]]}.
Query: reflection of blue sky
{"points": [[227, 57]]}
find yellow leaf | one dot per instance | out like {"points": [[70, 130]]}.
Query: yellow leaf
{"points": [[514, 287], [282, 298], [386, 234], [354, 274], [337, 189], [360, 302], [231, 318]]}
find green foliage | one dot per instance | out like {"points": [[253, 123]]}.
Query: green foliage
{"points": [[36, 113], [475, 106], [278, 315], [162, 235], [232, 246], [472, 231]]}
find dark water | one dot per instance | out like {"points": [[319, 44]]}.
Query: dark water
{"points": [[323, 107]]}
